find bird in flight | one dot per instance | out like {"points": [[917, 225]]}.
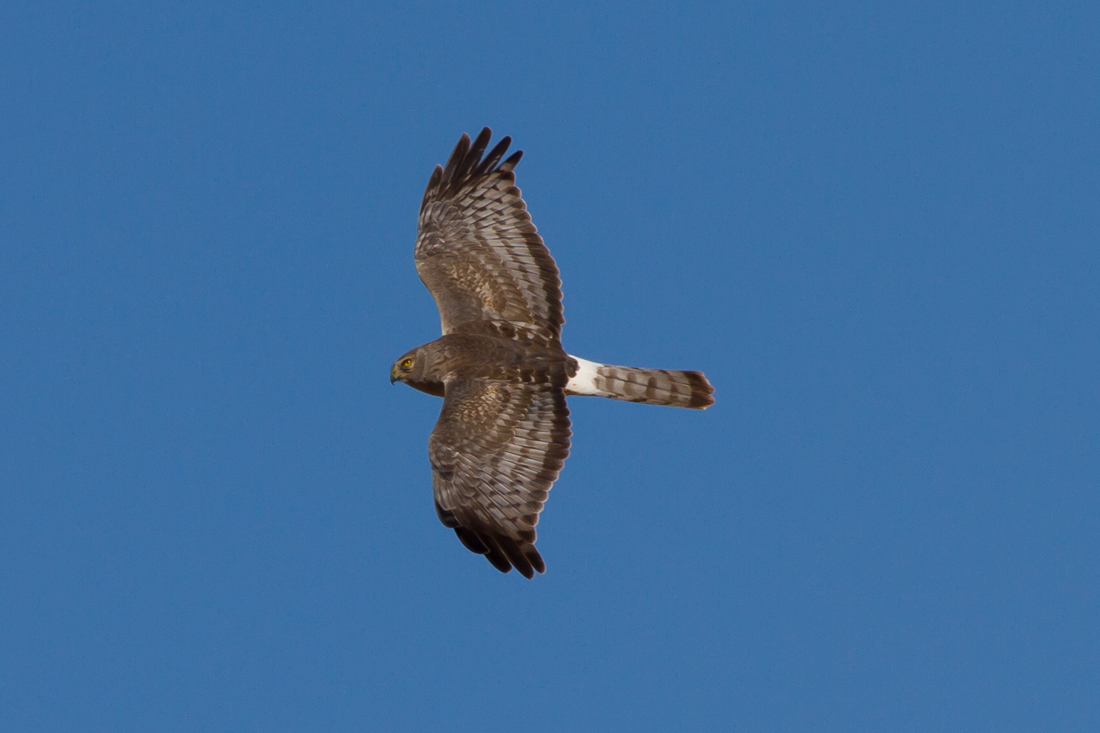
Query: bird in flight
{"points": [[503, 434]]}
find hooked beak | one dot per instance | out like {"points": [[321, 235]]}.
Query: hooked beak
{"points": [[393, 375]]}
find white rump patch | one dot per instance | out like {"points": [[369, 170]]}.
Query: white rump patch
{"points": [[585, 380]]}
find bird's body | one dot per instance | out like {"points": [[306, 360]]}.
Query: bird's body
{"points": [[480, 356], [503, 433]]}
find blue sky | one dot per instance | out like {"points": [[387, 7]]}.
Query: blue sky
{"points": [[874, 226]]}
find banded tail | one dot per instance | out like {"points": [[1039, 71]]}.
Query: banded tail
{"points": [[651, 386]]}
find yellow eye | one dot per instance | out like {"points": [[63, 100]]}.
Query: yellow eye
{"points": [[407, 363]]}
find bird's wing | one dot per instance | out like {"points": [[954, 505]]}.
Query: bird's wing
{"points": [[478, 252], [495, 452]]}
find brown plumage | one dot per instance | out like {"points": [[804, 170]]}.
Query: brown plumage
{"points": [[503, 434]]}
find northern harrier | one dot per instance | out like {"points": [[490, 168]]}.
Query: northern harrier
{"points": [[503, 433]]}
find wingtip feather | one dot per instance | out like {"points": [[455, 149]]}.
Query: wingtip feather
{"points": [[466, 163]]}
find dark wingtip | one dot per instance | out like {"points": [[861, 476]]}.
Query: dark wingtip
{"points": [[516, 556], [502, 552], [454, 163], [471, 541], [512, 160], [494, 156], [495, 556], [536, 559], [467, 164]]}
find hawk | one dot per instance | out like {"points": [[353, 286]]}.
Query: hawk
{"points": [[503, 433]]}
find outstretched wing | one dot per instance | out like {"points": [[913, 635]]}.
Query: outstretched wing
{"points": [[478, 252], [495, 451]]}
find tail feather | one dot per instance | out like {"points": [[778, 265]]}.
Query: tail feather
{"points": [[650, 386]]}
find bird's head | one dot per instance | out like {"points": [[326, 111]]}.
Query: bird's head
{"points": [[418, 370], [403, 368]]}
